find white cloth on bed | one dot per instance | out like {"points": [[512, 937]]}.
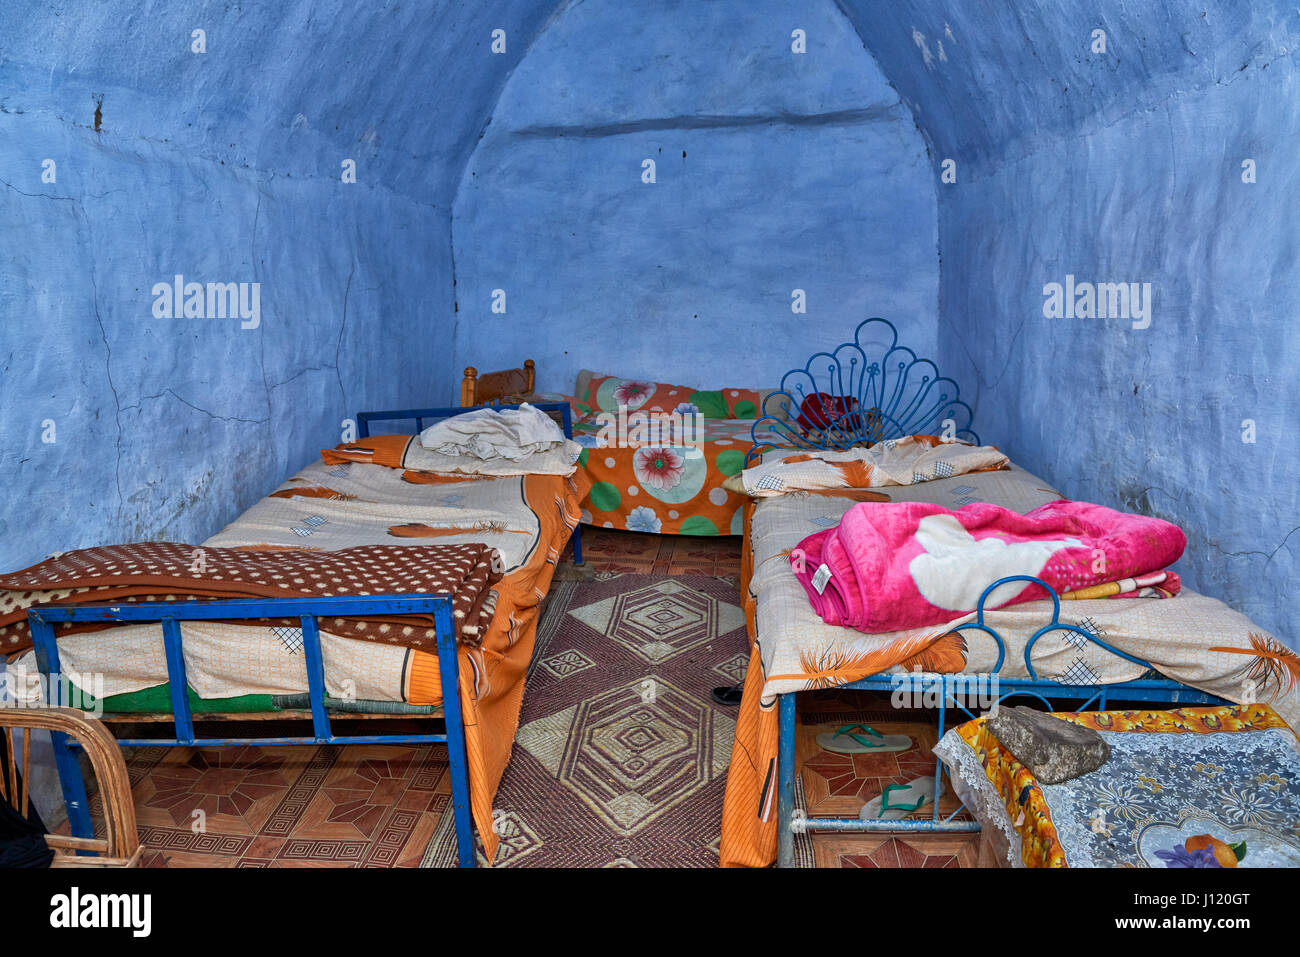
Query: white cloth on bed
{"points": [[903, 461], [512, 434]]}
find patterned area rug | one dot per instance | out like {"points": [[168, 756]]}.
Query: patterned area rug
{"points": [[621, 755]]}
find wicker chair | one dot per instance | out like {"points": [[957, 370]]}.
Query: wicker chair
{"points": [[121, 845]]}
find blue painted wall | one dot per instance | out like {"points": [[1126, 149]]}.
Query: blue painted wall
{"points": [[774, 171], [1126, 166], [223, 166]]}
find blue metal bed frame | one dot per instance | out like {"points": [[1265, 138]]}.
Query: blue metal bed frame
{"points": [[308, 610], [897, 394]]}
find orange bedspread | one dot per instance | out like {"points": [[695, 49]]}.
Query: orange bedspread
{"points": [[492, 676]]}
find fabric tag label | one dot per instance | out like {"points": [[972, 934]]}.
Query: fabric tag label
{"points": [[820, 579]]}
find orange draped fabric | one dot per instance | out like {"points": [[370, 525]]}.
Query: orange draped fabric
{"points": [[492, 677]]}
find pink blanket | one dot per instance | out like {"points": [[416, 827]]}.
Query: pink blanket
{"points": [[894, 565]]}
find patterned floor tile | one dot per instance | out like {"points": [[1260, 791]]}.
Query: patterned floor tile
{"points": [[364, 805]]}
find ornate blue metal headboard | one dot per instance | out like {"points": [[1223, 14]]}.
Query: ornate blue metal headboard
{"points": [[877, 390]]}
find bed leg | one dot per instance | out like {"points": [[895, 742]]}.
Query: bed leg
{"points": [[73, 785], [938, 764], [71, 781], [577, 544], [785, 774], [458, 765]]}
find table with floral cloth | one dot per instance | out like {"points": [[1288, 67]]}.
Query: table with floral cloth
{"points": [[1190, 787]]}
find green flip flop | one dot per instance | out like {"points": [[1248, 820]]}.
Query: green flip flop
{"points": [[897, 801], [847, 741]]}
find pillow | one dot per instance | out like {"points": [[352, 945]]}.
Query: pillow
{"points": [[605, 393], [822, 410], [903, 461], [777, 408]]}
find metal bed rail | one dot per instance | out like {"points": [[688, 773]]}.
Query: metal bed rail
{"points": [[307, 610], [880, 390], [1094, 696]]}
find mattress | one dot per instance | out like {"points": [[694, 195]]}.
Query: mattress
{"points": [[800, 651], [242, 668], [1192, 787], [667, 490], [368, 505]]}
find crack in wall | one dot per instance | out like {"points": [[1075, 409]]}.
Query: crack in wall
{"points": [[1247, 553], [198, 408], [79, 211], [298, 375], [338, 346]]}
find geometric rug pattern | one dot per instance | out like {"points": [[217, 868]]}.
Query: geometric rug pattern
{"points": [[621, 762]]}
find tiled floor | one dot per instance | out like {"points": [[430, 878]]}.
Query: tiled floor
{"points": [[378, 805], [837, 785], [363, 806]]}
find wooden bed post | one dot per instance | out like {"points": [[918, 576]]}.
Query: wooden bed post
{"points": [[467, 386], [491, 388]]}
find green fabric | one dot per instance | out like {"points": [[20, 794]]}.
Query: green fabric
{"points": [[605, 496], [711, 405], [158, 700], [698, 525], [731, 462], [745, 410]]}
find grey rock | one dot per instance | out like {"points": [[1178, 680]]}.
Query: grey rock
{"points": [[1053, 750]]}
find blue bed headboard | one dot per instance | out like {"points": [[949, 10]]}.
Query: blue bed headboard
{"points": [[884, 391], [560, 410]]}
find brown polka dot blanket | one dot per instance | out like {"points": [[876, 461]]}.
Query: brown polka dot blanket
{"points": [[166, 571]]}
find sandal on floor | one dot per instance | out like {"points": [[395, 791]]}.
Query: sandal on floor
{"points": [[897, 801], [847, 741], [730, 695]]}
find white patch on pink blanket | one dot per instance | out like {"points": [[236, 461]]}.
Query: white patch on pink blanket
{"points": [[956, 567]]}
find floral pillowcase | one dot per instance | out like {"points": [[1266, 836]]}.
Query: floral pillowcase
{"points": [[607, 393]]}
